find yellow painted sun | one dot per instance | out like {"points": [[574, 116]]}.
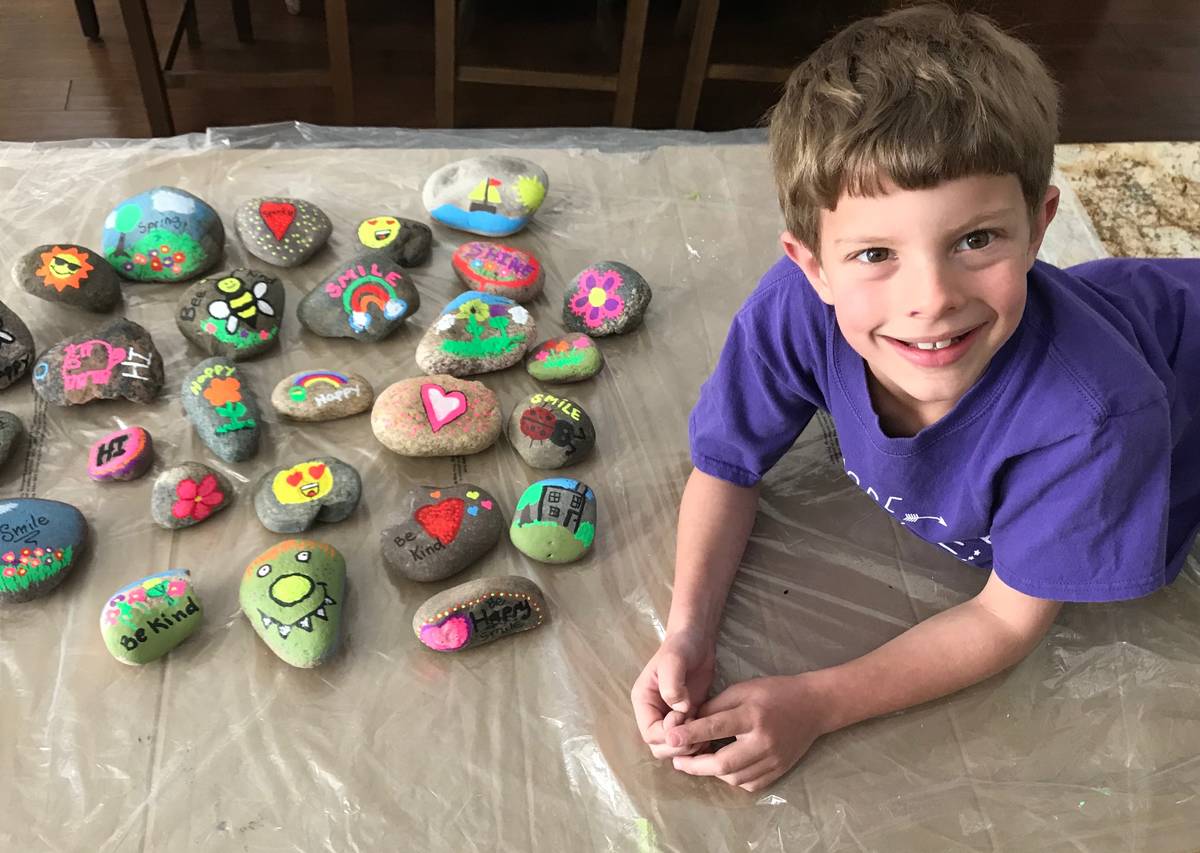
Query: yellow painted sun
{"points": [[530, 191], [62, 268]]}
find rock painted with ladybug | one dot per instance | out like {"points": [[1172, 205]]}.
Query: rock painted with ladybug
{"points": [[284, 232], [293, 594], [436, 415], [438, 531], [236, 315], [407, 241], [291, 498], [549, 431], [365, 298]]}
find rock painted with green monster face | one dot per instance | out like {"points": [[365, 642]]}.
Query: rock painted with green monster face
{"points": [[555, 521], [144, 620], [293, 594]]}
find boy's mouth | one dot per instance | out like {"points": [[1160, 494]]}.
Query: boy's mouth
{"points": [[930, 352]]}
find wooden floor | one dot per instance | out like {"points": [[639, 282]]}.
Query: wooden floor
{"points": [[1129, 68]]}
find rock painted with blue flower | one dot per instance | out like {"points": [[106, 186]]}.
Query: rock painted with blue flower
{"points": [[476, 333]]}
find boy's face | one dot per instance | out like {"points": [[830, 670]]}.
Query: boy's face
{"points": [[926, 265]]}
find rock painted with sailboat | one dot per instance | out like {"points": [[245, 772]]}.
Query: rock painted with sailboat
{"points": [[493, 196]]}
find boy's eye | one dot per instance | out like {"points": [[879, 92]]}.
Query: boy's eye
{"points": [[874, 255], [976, 240]]}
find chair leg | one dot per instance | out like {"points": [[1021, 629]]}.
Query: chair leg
{"points": [[341, 71], [697, 64], [241, 21], [86, 9], [191, 22], [145, 61], [444, 66], [631, 62]]}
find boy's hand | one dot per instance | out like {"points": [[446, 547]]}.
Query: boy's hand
{"points": [[774, 720], [671, 688]]}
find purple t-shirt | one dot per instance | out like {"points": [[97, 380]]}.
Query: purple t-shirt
{"points": [[1071, 467]]}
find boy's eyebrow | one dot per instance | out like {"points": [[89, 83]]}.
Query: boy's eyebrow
{"points": [[975, 220]]}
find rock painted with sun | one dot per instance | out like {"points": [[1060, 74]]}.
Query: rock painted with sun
{"points": [[293, 594], [438, 531], [607, 298], [555, 521], [144, 620], [366, 299], [235, 315], [499, 270], [494, 196], [476, 333], [291, 498], [406, 241], [125, 454], [284, 232], [16, 347], [436, 416], [118, 360], [163, 234], [40, 542], [478, 612], [222, 408], [71, 274], [322, 395]]}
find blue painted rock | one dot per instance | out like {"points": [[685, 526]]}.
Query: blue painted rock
{"points": [[293, 594], [144, 620], [476, 333], [549, 431], [493, 196], [291, 498], [570, 358], [608, 298], [555, 521], [365, 299], [438, 531], [16, 347], [222, 408], [436, 416], [187, 494], [122, 455], [163, 234], [235, 315], [71, 274], [322, 395], [11, 430], [112, 362], [479, 611], [498, 269], [406, 241], [284, 232], [40, 541]]}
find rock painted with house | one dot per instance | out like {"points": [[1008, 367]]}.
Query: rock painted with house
{"points": [[437, 531], [478, 612], [437, 415], [493, 196], [70, 274], [125, 454], [219, 403], [144, 620], [570, 358], [291, 498], [118, 360], [163, 234], [185, 495], [284, 232], [405, 241], [550, 431], [476, 333], [322, 395], [40, 542], [16, 347], [366, 299], [555, 520], [606, 298], [235, 315], [499, 270]]}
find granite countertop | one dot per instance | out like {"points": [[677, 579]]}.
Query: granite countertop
{"points": [[1143, 197]]}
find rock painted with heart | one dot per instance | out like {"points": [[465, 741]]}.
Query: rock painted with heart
{"points": [[478, 612], [122, 455], [406, 241], [291, 498], [476, 333], [293, 594], [555, 521], [436, 416], [284, 232], [40, 543], [366, 298], [438, 531], [144, 620], [322, 395], [499, 270], [236, 315]]}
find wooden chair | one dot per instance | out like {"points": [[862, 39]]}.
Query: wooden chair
{"points": [[447, 73], [156, 77]]}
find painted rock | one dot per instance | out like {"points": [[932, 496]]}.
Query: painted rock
{"points": [[144, 620], [493, 196], [11, 430], [40, 541], [71, 274], [406, 241], [608, 298], [291, 498], [108, 363], [163, 234], [221, 406], [436, 416], [478, 612], [555, 521], [498, 269], [571, 358], [550, 431], [476, 333], [186, 494], [293, 594], [284, 232], [236, 315], [16, 347], [122, 455], [440, 530], [364, 299], [322, 395]]}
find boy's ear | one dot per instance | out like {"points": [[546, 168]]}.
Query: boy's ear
{"points": [[1045, 215], [803, 257]]}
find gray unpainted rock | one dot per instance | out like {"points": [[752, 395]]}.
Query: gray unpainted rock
{"points": [[11, 430]]}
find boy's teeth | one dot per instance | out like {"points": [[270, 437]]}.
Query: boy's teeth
{"points": [[936, 344]]}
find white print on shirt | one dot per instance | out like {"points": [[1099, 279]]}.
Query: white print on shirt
{"points": [[906, 518], [974, 553]]}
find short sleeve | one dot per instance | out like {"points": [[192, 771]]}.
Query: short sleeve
{"points": [[1085, 519], [749, 414]]}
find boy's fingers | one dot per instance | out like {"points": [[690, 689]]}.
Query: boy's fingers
{"points": [[703, 729], [723, 762], [673, 719], [648, 710], [672, 683]]}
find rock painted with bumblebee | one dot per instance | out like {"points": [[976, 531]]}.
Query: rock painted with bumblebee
{"points": [[144, 620], [222, 408], [494, 196], [436, 416], [555, 521], [293, 594], [40, 542], [235, 315], [478, 612], [291, 498], [117, 360], [284, 232], [322, 395], [122, 455], [437, 531], [366, 298], [163, 234]]}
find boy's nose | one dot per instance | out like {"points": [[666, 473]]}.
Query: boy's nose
{"points": [[931, 293]]}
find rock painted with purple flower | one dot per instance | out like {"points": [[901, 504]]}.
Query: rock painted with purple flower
{"points": [[476, 333], [606, 298], [144, 620]]}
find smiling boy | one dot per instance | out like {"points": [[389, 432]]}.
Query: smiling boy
{"points": [[1033, 422]]}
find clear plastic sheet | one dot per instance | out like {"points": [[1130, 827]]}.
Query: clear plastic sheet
{"points": [[529, 743]]}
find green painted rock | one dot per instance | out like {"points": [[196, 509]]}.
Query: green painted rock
{"points": [[478, 612], [571, 358], [555, 521], [293, 594], [144, 620]]}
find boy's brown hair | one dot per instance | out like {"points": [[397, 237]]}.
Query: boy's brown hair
{"points": [[918, 96]]}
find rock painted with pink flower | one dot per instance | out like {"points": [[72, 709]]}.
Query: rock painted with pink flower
{"points": [[188, 494], [144, 620], [478, 612], [40, 542], [606, 298], [235, 315], [570, 358]]}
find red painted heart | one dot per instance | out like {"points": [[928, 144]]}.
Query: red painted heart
{"points": [[442, 520], [294, 478], [316, 471], [278, 216]]}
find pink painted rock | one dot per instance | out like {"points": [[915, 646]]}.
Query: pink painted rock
{"points": [[436, 416], [478, 612], [498, 269], [122, 455]]}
